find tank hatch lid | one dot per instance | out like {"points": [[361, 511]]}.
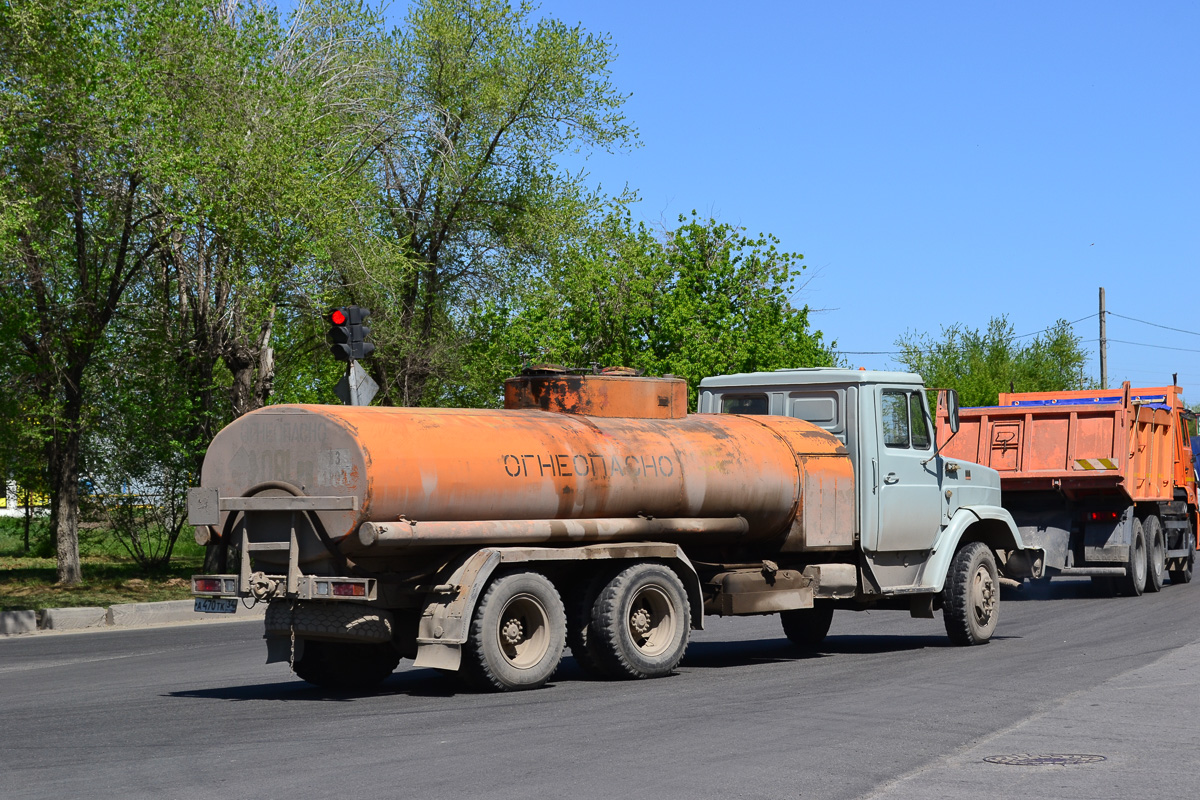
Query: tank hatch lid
{"points": [[614, 393]]}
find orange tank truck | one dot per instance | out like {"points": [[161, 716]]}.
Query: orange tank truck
{"points": [[592, 512], [1103, 481]]}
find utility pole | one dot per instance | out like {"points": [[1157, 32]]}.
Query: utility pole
{"points": [[1103, 345]]}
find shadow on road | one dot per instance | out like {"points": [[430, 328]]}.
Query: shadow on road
{"points": [[700, 655], [412, 682], [1057, 589], [716, 655]]}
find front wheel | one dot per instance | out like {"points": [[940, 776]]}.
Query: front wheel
{"points": [[971, 598], [517, 634], [642, 621]]}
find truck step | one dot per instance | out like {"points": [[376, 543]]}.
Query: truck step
{"points": [[1182, 553], [1115, 572]]}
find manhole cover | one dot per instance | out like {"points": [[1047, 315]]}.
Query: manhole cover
{"points": [[1044, 760]]}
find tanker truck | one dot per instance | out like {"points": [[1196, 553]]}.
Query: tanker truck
{"points": [[594, 512]]}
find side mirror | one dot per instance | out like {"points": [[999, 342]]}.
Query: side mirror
{"points": [[952, 409]]}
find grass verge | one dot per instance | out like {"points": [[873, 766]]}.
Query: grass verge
{"points": [[28, 580]]}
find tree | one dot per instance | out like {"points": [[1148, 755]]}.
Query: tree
{"points": [[981, 364], [702, 299], [85, 115], [483, 101]]}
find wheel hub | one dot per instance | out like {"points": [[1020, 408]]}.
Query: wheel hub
{"points": [[512, 632], [984, 595], [640, 622]]}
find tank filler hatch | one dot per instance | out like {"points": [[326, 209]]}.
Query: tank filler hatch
{"points": [[617, 392]]}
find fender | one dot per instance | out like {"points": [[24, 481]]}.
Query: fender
{"points": [[993, 526], [449, 607]]}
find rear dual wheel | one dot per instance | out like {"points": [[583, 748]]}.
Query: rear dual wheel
{"points": [[806, 628], [517, 634], [346, 666], [635, 623], [1156, 553], [1134, 581]]}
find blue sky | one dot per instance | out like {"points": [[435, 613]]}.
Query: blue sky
{"points": [[936, 163]]}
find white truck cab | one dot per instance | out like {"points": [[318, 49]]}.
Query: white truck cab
{"points": [[914, 509]]}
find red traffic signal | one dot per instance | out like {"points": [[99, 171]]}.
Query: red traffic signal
{"points": [[348, 334]]}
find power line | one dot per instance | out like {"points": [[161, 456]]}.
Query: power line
{"points": [[1157, 346], [1043, 330], [1155, 324], [931, 351]]}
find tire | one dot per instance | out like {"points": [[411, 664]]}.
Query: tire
{"points": [[1134, 582], [1156, 553], [1184, 574], [971, 598], [807, 627], [642, 622], [581, 632], [517, 634], [346, 666]]}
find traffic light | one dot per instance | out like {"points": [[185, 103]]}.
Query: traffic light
{"points": [[347, 333]]}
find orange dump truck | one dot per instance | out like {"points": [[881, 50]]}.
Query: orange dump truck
{"points": [[1103, 481], [594, 512]]}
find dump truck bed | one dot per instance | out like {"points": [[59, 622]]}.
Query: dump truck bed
{"points": [[1127, 441]]}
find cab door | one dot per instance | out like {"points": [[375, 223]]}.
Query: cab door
{"points": [[910, 501]]}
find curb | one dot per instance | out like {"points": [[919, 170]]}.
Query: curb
{"points": [[122, 615]]}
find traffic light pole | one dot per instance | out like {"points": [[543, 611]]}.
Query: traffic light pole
{"points": [[350, 365]]}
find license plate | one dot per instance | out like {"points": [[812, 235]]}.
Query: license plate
{"points": [[216, 605]]}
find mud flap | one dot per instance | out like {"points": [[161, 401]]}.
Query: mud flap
{"points": [[439, 656]]}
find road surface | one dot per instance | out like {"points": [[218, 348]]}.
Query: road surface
{"points": [[890, 710]]}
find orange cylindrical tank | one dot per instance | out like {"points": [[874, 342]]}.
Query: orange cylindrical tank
{"points": [[446, 465]]}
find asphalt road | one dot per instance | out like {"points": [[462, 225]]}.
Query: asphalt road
{"points": [[890, 709]]}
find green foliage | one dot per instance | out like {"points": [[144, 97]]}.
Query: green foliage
{"points": [[186, 187], [702, 299], [484, 99], [981, 364]]}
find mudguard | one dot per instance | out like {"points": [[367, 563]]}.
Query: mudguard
{"points": [[993, 526]]}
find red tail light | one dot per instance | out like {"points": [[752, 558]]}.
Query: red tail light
{"points": [[349, 590], [1104, 516], [208, 585]]}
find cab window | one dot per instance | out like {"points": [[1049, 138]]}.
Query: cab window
{"points": [[744, 404], [920, 427], [895, 418]]}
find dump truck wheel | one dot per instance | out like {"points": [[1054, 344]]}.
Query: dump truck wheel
{"points": [[642, 622], [1134, 582], [581, 631], [346, 666], [971, 597], [1156, 553], [807, 627], [517, 635]]}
